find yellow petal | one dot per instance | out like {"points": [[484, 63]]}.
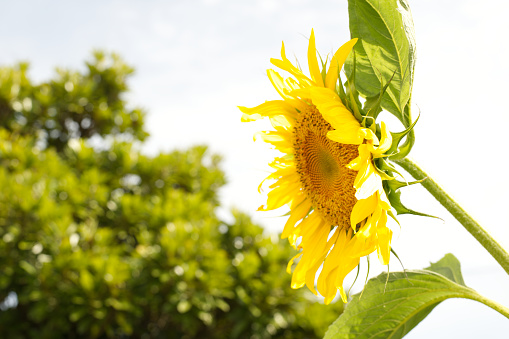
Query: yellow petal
{"points": [[282, 141], [316, 247], [331, 263], [299, 274], [268, 109], [309, 227], [282, 162], [362, 209], [335, 113], [279, 84], [314, 70], [367, 183], [288, 179], [362, 246], [280, 196], [337, 63], [280, 173], [344, 269], [292, 84], [384, 201], [357, 163], [362, 159], [297, 200], [311, 274], [368, 134], [346, 134], [298, 278], [286, 65], [303, 93], [384, 239], [336, 266], [329, 291], [290, 263], [282, 123], [298, 213], [385, 143]]}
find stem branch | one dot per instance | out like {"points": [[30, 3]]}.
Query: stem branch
{"points": [[483, 237]]}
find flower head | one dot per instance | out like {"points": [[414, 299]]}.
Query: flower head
{"points": [[328, 173]]}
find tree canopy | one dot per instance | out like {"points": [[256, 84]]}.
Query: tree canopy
{"points": [[106, 241]]}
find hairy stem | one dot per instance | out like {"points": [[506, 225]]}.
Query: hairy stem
{"points": [[483, 237], [490, 303]]}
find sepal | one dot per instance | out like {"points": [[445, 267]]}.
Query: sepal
{"points": [[373, 104], [341, 92], [382, 169], [396, 184], [394, 196], [399, 152], [352, 96]]}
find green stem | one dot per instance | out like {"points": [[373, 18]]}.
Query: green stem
{"points": [[483, 237], [490, 303]]}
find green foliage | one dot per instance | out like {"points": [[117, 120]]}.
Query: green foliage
{"points": [[390, 307], [110, 242], [384, 55], [386, 50], [73, 105]]}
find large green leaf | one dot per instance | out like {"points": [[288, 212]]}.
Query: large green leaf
{"points": [[390, 308], [386, 48]]}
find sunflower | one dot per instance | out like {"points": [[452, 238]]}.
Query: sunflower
{"points": [[327, 174]]}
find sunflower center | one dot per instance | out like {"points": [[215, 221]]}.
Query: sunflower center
{"points": [[321, 164]]}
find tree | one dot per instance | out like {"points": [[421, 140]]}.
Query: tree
{"points": [[73, 105], [110, 242]]}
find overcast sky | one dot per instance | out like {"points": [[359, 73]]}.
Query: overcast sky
{"points": [[197, 60]]}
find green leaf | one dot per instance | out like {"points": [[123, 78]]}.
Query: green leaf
{"points": [[395, 199], [373, 105], [386, 48], [449, 267], [391, 308], [28, 267], [86, 280]]}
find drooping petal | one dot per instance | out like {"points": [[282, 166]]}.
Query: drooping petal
{"points": [[369, 182], [362, 209], [298, 213], [290, 263], [325, 283], [368, 134], [385, 142], [311, 273], [384, 239], [349, 263], [362, 246], [314, 247], [336, 266]]}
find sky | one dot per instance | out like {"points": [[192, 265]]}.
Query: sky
{"points": [[196, 61]]}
